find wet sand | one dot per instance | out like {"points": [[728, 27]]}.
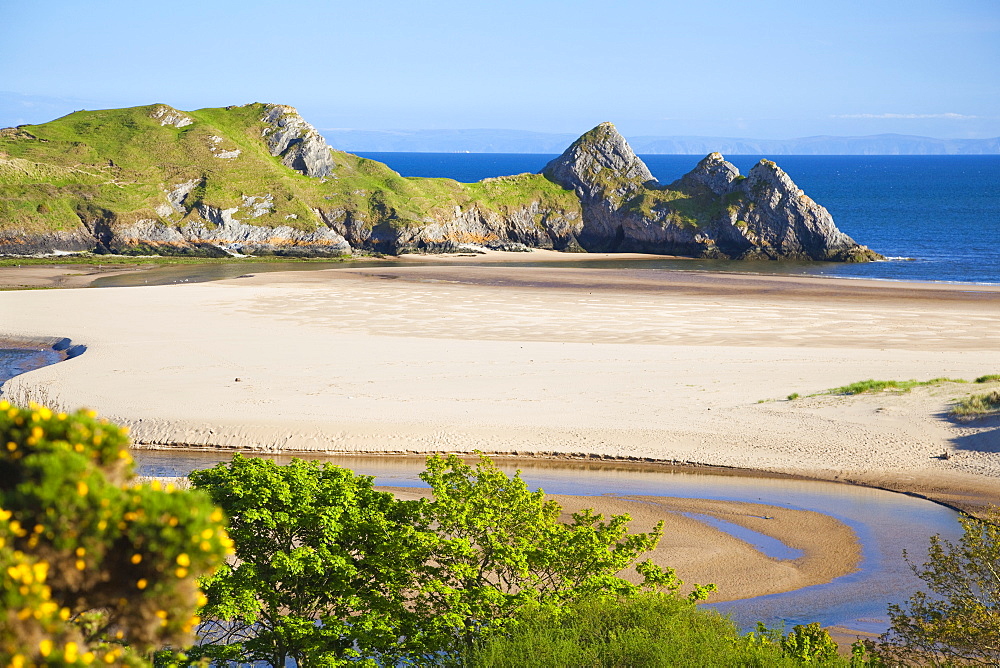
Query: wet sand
{"points": [[46, 276]]}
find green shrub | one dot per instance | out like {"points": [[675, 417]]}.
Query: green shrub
{"points": [[988, 378], [958, 622]]}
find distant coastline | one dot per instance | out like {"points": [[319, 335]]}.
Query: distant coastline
{"points": [[518, 141]]}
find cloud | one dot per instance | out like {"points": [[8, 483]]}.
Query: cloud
{"points": [[947, 116]]}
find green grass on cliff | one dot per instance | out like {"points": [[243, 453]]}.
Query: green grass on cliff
{"points": [[124, 161], [683, 205]]}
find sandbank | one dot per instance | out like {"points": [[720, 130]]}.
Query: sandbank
{"points": [[44, 276], [702, 554]]}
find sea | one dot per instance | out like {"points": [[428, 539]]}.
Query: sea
{"points": [[936, 217]]}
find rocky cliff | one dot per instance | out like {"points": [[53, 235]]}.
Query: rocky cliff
{"points": [[259, 179]]}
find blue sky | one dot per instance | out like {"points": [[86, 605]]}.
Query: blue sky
{"points": [[760, 69]]}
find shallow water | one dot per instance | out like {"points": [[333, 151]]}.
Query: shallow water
{"points": [[15, 361], [885, 523]]}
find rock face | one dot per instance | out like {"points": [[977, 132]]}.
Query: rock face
{"points": [[712, 211], [210, 185], [298, 143], [531, 225]]}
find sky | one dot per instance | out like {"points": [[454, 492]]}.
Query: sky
{"points": [[765, 69]]}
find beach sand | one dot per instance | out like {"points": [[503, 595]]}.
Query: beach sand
{"points": [[679, 366], [682, 367]]}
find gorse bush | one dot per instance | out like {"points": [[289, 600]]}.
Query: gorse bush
{"points": [[88, 563]]}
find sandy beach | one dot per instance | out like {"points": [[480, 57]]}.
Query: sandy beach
{"points": [[677, 366], [683, 367]]}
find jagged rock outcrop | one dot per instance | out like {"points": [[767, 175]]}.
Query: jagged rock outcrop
{"points": [[22, 242], [712, 211], [167, 115], [298, 143]]}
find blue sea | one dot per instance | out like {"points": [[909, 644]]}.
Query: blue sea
{"points": [[936, 216]]}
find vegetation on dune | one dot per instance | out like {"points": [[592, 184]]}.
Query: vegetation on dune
{"points": [[649, 630], [977, 405], [900, 386]]}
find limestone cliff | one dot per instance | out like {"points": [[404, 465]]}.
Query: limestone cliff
{"points": [[259, 179]]}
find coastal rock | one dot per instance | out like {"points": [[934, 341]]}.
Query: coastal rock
{"points": [[298, 143], [711, 212], [218, 233], [600, 167], [780, 221], [604, 172], [177, 196], [532, 225], [23, 242], [713, 173]]}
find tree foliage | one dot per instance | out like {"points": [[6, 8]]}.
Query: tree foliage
{"points": [[88, 562], [329, 570], [324, 565], [502, 546], [958, 622]]}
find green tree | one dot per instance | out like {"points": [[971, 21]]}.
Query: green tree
{"points": [[503, 547], [958, 623], [324, 565], [90, 563]]}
